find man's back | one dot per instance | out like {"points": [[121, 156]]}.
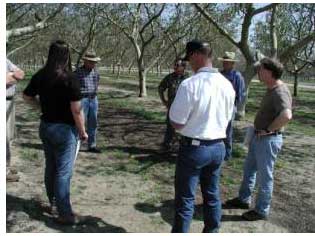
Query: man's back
{"points": [[204, 104], [237, 81]]}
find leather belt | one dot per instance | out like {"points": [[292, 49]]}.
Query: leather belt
{"points": [[92, 96], [271, 133], [187, 141]]}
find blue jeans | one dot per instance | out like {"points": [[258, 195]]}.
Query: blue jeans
{"points": [[260, 161], [228, 141], [60, 143], [90, 109], [194, 164]]}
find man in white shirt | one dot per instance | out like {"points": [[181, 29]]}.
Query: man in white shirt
{"points": [[201, 111]]}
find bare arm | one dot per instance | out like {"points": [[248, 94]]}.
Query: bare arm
{"points": [[79, 119], [33, 101], [281, 120], [18, 74]]}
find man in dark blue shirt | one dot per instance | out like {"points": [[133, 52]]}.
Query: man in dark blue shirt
{"points": [[237, 80]]}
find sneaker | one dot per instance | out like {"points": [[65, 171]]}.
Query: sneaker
{"points": [[74, 219], [253, 215], [236, 203], [94, 150]]}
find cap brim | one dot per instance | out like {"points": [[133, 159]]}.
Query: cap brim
{"points": [[226, 59], [96, 59]]}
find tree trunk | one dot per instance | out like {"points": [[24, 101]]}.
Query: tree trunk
{"points": [[142, 77], [113, 68], [248, 74], [142, 83], [295, 92], [118, 70]]}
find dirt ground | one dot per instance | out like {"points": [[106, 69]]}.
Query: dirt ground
{"points": [[129, 187]]}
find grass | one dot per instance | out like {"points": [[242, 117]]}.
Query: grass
{"points": [[30, 154]]}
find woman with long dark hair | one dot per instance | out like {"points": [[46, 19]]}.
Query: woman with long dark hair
{"points": [[61, 125]]}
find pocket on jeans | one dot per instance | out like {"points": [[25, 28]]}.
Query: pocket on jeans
{"points": [[275, 147]]}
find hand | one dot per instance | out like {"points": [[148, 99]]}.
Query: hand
{"points": [[83, 136], [18, 74]]}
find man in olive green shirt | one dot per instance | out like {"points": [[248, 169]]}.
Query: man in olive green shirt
{"points": [[274, 113]]}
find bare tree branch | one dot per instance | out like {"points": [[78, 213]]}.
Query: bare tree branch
{"points": [[289, 52], [216, 25], [38, 26], [265, 8], [21, 47]]}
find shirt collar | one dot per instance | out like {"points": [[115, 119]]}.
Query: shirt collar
{"points": [[207, 69]]}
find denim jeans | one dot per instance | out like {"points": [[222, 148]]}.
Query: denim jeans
{"points": [[60, 143], [260, 162], [198, 164], [90, 109], [228, 141]]}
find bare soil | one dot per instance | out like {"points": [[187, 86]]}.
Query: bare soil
{"points": [[129, 187]]}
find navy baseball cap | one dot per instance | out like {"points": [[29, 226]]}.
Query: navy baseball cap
{"points": [[195, 46]]}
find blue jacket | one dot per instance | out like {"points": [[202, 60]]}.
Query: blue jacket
{"points": [[237, 80]]}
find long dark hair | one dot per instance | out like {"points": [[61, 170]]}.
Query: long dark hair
{"points": [[58, 64]]}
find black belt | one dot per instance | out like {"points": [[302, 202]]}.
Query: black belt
{"points": [[187, 141], [267, 134], [89, 95]]}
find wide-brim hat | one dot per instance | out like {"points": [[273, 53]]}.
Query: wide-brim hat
{"points": [[228, 56], [194, 46], [91, 56]]}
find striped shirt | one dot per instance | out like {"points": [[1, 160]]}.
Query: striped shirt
{"points": [[89, 80]]}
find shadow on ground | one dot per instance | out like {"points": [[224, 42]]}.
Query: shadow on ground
{"points": [[166, 210], [30, 207]]}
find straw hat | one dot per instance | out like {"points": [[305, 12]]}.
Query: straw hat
{"points": [[228, 56], [91, 56]]}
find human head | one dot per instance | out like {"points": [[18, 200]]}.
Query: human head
{"points": [[90, 59], [198, 54], [59, 59], [228, 61], [179, 66], [269, 68]]}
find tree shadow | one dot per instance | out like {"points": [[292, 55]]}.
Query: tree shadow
{"points": [[30, 207]]}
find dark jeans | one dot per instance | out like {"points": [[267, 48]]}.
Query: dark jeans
{"points": [[169, 132], [229, 138], [60, 143], [198, 164], [90, 109]]}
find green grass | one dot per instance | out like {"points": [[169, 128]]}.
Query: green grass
{"points": [[30, 154]]}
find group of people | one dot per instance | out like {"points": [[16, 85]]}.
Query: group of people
{"points": [[202, 112], [200, 108]]}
